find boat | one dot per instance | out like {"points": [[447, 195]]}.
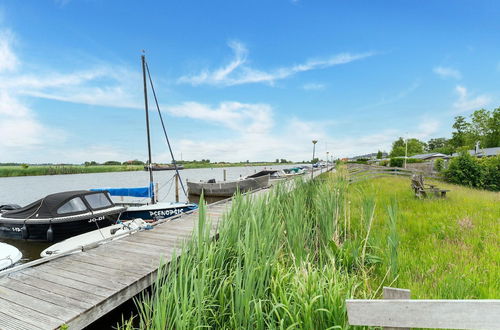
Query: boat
{"points": [[96, 237], [9, 255], [153, 210], [273, 174], [59, 216], [168, 167], [211, 188]]}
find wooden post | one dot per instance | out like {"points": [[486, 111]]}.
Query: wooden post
{"points": [[395, 293], [176, 187], [224, 174]]}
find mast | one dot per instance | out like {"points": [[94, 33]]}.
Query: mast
{"points": [[150, 165]]}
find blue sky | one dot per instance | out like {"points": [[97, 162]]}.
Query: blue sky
{"points": [[239, 80]]}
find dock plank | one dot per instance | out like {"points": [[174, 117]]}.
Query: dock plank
{"points": [[30, 316], [48, 296]]}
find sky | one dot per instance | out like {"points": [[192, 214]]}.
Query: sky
{"points": [[239, 80]]}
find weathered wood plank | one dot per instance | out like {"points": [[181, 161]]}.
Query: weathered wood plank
{"points": [[67, 282], [55, 288], [396, 293], [47, 308], [28, 315], [441, 314], [90, 315], [80, 275], [48, 296], [9, 322]]}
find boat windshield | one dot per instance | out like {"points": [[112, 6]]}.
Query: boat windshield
{"points": [[97, 201], [73, 205]]}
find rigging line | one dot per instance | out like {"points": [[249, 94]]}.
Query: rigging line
{"points": [[164, 130]]}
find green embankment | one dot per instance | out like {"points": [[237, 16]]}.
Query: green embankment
{"points": [[290, 260], [8, 171]]}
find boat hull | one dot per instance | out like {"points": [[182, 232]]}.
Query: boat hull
{"points": [[227, 189], [63, 228], [156, 211]]}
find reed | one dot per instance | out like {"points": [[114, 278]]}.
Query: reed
{"points": [[290, 259]]}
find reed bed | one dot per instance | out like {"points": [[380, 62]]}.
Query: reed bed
{"points": [[290, 259], [9, 171]]}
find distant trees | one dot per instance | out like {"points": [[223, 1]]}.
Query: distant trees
{"points": [[379, 155], [111, 162], [484, 126], [415, 147]]}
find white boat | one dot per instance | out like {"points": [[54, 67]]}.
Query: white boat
{"points": [[9, 255], [97, 237]]}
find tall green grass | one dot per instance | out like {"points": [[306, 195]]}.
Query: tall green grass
{"points": [[290, 260], [8, 171]]}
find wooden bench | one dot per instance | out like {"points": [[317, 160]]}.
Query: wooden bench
{"points": [[421, 189]]}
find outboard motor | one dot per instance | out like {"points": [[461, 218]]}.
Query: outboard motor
{"points": [[211, 181]]}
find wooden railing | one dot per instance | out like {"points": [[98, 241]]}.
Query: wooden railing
{"points": [[397, 311], [360, 172]]}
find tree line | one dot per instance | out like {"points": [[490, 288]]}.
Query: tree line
{"points": [[483, 126]]}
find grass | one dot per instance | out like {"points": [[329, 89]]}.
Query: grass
{"points": [[8, 171], [289, 260]]}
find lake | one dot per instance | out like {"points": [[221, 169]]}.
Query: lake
{"points": [[23, 190]]}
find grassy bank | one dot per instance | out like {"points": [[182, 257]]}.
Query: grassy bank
{"points": [[7, 171], [291, 259]]}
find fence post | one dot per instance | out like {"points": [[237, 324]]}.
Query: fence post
{"points": [[224, 174], [395, 293]]}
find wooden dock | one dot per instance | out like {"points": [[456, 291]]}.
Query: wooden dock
{"points": [[77, 289]]}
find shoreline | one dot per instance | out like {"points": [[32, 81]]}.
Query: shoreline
{"points": [[39, 170]]}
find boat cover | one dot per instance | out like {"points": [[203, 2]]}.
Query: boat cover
{"points": [[262, 173], [132, 192], [47, 207]]}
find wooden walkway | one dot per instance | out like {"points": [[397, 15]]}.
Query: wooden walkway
{"points": [[77, 289]]}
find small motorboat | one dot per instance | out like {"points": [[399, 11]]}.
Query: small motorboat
{"points": [[59, 216], [9, 255], [273, 174], [149, 212], [227, 188], [97, 237]]}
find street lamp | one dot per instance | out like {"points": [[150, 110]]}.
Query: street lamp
{"points": [[312, 162], [327, 160], [406, 150]]}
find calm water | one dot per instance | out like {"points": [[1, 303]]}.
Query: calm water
{"points": [[27, 189]]}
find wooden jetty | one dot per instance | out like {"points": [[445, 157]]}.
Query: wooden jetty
{"points": [[77, 289]]}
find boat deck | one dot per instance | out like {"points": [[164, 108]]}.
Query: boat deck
{"points": [[77, 289]]}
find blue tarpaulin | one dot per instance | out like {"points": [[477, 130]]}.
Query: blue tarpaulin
{"points": [[132, 192]]}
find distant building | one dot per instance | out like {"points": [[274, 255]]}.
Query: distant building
{"points": [[486, 152], [368, 156], [430, 156]]}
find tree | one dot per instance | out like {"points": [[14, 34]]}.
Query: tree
{"points": [[277, 160], [459, 136], [415, 147], [379, 155]]}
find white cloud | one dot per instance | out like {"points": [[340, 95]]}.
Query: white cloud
{"points": [[8, 60], [314, 87], [467, 103], [242, 117], [237, 72], [445, 72]]}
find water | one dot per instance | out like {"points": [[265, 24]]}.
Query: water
{"points": [[27, 189]]}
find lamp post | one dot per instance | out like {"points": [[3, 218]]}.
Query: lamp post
{"points": [[312, 162], [327, 160]]}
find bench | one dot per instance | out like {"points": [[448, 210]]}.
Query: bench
{"points": [[422, 190]]}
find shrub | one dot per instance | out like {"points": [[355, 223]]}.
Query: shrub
{"points": [[491, 172], [439, 164], [464, 170], [384, 163], [396, 162]]}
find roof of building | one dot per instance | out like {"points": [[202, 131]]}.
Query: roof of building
{"points": [[431, 155], [486, 152]]}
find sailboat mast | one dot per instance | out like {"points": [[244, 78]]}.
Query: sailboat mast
{"points": [[150, 165]]}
